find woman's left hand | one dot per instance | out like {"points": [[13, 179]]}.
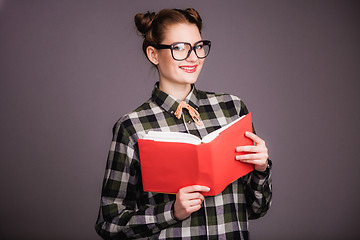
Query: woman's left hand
{"points": [[257, 155]]}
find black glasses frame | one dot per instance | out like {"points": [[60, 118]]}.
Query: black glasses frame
{"points": [[171, 47]]}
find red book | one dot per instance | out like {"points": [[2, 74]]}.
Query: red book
{"points": [[172, 160]]}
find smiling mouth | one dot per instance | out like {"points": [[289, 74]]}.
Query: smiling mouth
{"points": [[188, 69]]}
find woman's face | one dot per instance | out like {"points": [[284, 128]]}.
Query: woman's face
{"points": [[183, 72]]}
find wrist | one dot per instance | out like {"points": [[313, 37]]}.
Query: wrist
{"points": [[264, 171], [262, 168]]}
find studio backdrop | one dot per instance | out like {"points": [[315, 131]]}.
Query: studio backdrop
{"points": [[70, 69]]}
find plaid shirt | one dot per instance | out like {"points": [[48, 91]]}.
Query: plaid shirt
{"points": [[128, 212]]}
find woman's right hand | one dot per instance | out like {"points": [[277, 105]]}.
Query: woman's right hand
{"points": [[188, 200]]}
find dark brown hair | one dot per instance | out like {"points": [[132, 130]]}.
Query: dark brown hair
{"points": [[152, 26]]}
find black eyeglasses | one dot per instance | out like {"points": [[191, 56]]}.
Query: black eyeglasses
{"points": [[182, 50]]}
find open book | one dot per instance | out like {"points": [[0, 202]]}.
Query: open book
{"points": [[172, 160]]}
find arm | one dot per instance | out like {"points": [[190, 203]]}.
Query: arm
{"points": [[123, 212], [258, 187], [258, 192]]}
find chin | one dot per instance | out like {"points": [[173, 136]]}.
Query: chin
{"points": [[192, 81], [192, 78], [189, 80]]}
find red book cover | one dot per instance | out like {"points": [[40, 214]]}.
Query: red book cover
{"points": [[168, 165]]}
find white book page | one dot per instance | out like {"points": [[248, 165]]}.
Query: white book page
{"points": [[172, 137]]}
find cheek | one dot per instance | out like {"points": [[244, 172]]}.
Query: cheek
{"points": [[170, 67], [165, 56], [166, 62], [201, 63]]}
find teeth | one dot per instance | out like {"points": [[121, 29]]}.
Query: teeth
{"points": [[188, 68]]}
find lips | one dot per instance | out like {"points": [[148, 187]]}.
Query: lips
{"points": [[188, 69]]}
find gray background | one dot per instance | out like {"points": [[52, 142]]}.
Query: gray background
{"points": [[70, 69]]}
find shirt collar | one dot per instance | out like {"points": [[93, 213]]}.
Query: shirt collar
{"points": [[169, 103]]}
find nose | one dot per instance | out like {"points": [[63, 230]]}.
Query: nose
{"points": [[192, 57]]}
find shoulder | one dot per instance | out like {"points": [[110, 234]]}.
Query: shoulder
{"points": [[229, 103], [226, 99], [203, 95], [131, 124]]}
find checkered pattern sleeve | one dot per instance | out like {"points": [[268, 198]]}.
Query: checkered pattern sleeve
{"points": [[257, 186], [122, 215], [258, 193]]}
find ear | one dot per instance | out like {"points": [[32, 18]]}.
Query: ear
{"points": [[152, 55]]}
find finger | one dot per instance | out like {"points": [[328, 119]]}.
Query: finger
{"points": [[247, 157], [254, 137], [255, 161], [192, 196], [247, 149], [194, 202], [194, 188], [258, 160], [193, 208]]}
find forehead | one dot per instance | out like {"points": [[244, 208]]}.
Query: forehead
{"points": [[181, 32]]}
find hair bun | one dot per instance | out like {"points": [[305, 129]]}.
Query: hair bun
{"points": [[143, 22], [194, 15]]}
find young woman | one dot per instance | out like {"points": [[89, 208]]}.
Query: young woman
{"points": [[173, 43]]}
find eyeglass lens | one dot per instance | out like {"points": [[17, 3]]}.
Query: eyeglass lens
{"points": [[181, 51]]}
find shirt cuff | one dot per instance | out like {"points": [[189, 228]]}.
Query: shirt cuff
{"points": [[165, 216], [261, 177]]}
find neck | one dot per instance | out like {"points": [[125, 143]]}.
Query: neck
{"points": [[178, 91]]}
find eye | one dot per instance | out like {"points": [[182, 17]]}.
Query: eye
{"points": [[179, 47], [199, 47]]}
